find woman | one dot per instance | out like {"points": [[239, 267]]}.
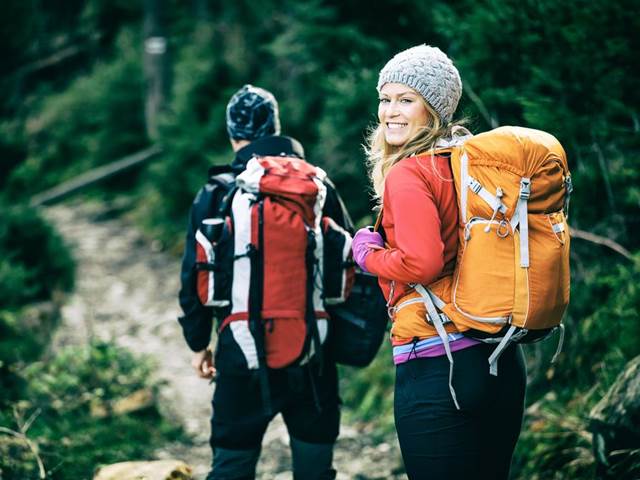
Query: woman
{"points": [[468, 431]]}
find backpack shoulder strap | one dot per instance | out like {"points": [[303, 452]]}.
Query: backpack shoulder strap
{"points": [[224, 180], [220, 175], [223, 187], [378, 223], [208, 202], [377, 227]]}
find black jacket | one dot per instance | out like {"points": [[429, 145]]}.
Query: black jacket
{"points": [[197, 319]]}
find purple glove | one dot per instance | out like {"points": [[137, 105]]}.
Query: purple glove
{"points": [[364, 242]]}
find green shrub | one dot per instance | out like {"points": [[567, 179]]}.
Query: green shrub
{"points": [[72, 399], [20, 342], [34, 262], [555, 443]]}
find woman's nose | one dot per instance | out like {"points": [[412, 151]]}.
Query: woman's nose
{"points": [[392, 111]]}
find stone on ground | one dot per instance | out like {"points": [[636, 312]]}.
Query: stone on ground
{"points": [[156, 470]]}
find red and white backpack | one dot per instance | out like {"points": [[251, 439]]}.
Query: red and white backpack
{"points": [[273, 265]]}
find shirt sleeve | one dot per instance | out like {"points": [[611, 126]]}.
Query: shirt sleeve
{"points": [[418, 253]]}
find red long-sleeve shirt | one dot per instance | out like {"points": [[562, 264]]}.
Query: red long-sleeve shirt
{"points": [[420, 218]]}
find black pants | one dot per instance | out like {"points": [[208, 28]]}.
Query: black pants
{"points": [[309, 404], [440, 442]]}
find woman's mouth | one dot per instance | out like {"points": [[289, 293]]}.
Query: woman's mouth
{"points": [[395, 125]]}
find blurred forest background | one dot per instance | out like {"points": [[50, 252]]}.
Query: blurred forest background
{"points": [[78, 90]]}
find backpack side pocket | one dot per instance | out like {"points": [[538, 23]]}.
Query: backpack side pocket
{"points": [[214, 256], [338, 269]]}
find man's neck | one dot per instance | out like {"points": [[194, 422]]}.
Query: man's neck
{"points": [[238, 144]]}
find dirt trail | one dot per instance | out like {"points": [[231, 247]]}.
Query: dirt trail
{"points": [[126, 291]]}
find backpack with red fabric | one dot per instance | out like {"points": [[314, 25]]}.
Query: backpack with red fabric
{"points": [[271, 265]]}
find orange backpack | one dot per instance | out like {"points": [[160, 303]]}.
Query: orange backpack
{"points": [[511, 281]]}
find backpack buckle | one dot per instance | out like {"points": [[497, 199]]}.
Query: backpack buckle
{"points": [[568, 184], [525, 188], [475, 185]]}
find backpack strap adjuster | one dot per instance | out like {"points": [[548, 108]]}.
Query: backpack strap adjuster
{"points": [[525, 188]]}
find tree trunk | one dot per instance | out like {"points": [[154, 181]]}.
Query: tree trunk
{"points": [[156, 64]]}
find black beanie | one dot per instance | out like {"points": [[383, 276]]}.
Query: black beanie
{"points": [[252, 113]]}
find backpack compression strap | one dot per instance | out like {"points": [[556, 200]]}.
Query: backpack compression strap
{"points": [[256, 326], [520, 219]]}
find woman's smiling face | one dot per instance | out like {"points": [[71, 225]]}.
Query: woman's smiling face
{"points": [[401, 112]]}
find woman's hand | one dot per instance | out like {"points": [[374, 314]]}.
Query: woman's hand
{"points": [[364, 242], [202, 362]]}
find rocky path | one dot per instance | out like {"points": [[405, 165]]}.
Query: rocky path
{"points": [[126, 291]]}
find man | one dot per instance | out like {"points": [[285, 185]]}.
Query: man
{"points": [[307, 395]]}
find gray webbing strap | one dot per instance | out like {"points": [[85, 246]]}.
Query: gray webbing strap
{"points": [[560, 343], [432, 312], [525, 192], [520, 218], [504, 343], [438, 323], [492, 200], [438, 302], [464, 181]]}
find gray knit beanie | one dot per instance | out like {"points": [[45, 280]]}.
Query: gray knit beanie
{"points": [[252, 113], [429, 72]]}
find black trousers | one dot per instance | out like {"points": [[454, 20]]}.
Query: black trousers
{"points": [[309, 404], [440, 442]]}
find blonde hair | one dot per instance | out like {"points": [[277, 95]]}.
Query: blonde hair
{"points": [[381, 156]]}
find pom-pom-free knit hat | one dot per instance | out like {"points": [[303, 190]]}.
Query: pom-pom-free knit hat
{"points": [[430, 73], [252, 113]]}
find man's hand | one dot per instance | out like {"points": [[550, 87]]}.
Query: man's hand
{"points": [[202, 362]]}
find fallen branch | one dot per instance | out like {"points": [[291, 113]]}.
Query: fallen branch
{"points": [[58, 56], [599, 240], [93, 176]]}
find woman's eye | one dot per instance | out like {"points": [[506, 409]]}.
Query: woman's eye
{"points": [[384, 100], [406, 100]]}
